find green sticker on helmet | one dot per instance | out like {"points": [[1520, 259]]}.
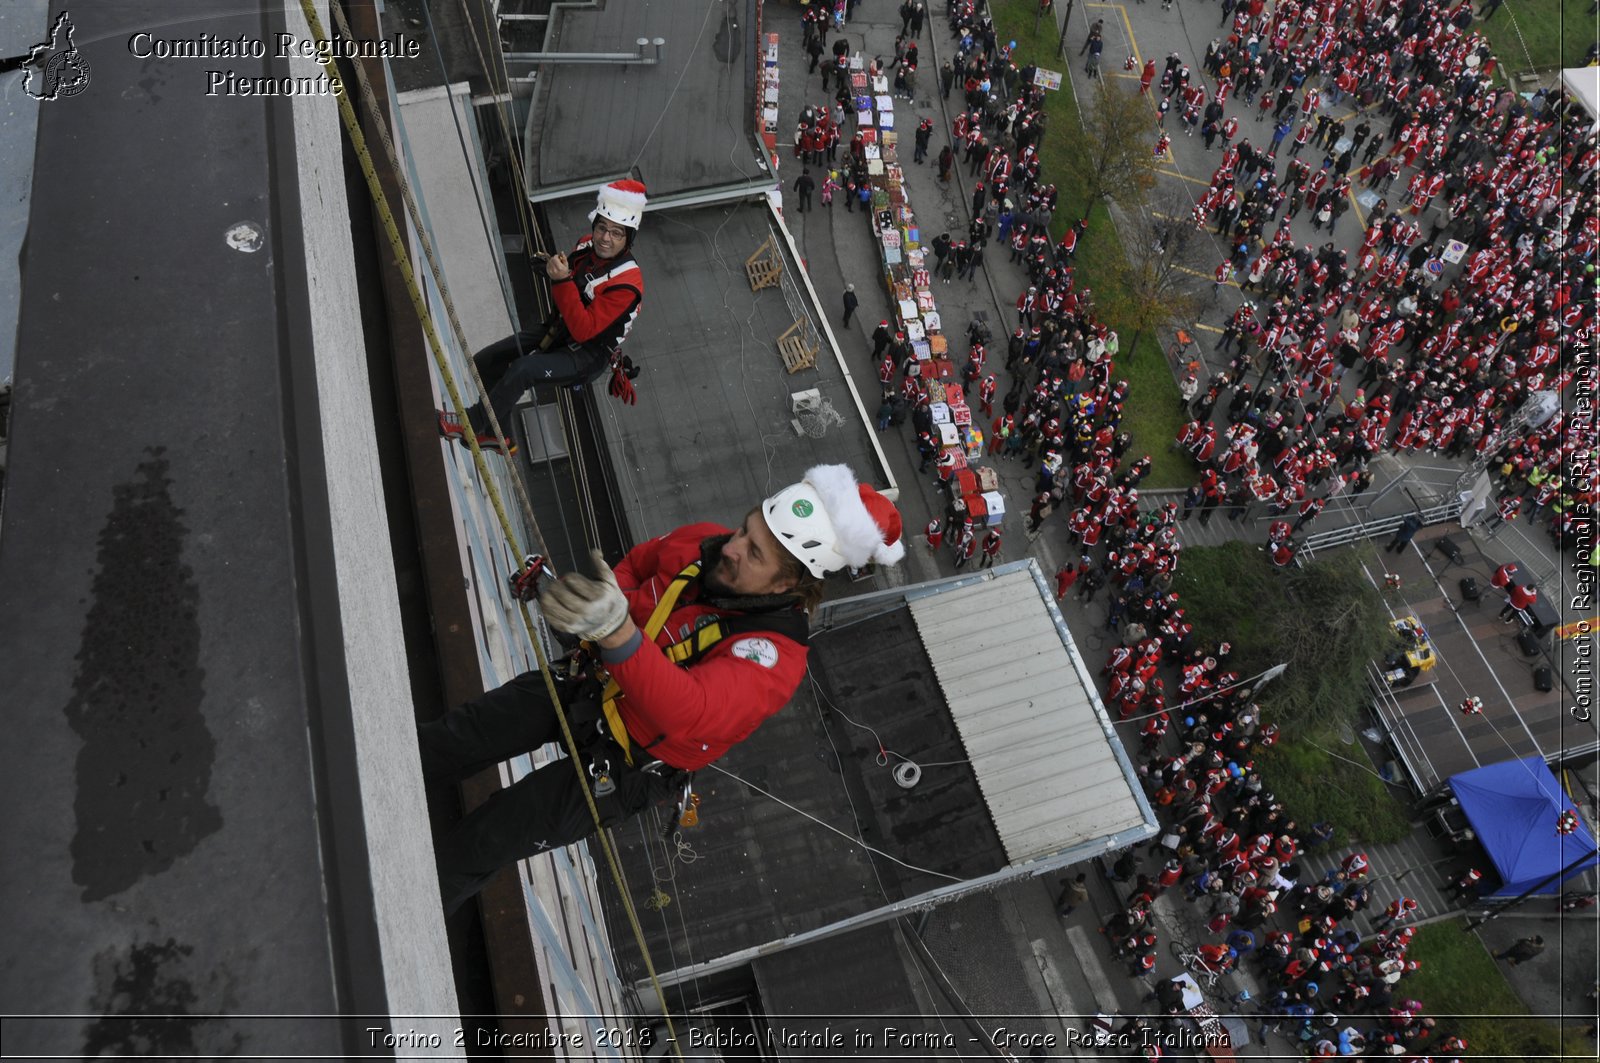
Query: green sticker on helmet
{"points": [[802, 507]]}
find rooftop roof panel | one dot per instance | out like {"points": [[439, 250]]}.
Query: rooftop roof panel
{"points": [[989, 798], [1031, 720], [679, 132]]}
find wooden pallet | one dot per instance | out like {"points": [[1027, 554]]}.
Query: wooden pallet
{"points": [[765, 267], [797, 353]]}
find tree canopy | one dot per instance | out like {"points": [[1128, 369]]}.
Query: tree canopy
{"points": [[1325, 620], [1114, 160]]}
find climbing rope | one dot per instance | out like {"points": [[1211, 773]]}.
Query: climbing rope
{"points": [[397, 246]]}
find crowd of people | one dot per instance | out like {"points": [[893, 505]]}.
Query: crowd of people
{"points": [[1465, 297], [1448, 358], [1229, 848]]}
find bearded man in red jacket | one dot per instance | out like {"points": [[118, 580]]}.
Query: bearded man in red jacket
{"points": [[691, 641]]}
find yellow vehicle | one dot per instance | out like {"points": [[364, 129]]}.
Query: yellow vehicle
{"points": [[1415, 655]]}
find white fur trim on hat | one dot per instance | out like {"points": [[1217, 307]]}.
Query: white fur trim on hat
{"points": [[622, 202], [859, 538]]}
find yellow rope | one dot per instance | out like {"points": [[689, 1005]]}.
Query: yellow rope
{"points": [[347, 110], [419, 305], [500, 88]]}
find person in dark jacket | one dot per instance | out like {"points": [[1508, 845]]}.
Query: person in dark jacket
{"points": [[1522, 951], [804, 185], [1403, 534]]}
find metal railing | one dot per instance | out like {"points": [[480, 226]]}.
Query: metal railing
{"points": [[1533, 558], [1403, 738], [1440, 487], [1369, 529]]}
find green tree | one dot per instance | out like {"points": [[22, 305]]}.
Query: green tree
{"points": [[1154, 284], [1327, 623], [1114, 159], [1324, 620]]}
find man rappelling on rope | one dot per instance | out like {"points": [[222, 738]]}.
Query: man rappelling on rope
{"points": [[689, 644], [597, 291]]}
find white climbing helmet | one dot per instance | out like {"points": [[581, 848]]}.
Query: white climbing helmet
{"points": [[622, 202], [829, 522]]}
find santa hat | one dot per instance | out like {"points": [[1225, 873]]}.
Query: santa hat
{"points": [[622, 202], [829, 521]]}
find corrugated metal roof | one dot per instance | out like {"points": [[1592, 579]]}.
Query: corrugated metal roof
{"points": [[1040, 742]]}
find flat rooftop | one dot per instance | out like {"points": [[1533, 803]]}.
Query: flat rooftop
{"points": [[762, 871], [684, 123], [711, 434], [1016, 771]]}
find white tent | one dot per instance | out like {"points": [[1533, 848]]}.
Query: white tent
{"points": [[1583, 85]]}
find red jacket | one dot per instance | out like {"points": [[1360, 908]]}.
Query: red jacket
{"points": [[600, 302], [688, 717]]}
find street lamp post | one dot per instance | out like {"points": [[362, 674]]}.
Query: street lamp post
{"points": [[1066, 20]]}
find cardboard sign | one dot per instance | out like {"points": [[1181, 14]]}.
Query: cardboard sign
{"points": [[1047, 79], [1454, 251]]}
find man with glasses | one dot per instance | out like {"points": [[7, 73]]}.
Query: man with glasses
{"points": [[597, 289]]}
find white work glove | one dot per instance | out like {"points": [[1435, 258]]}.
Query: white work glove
{"points": [[588, 608]]}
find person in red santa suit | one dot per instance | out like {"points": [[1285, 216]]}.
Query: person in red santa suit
{"points": [[1282, 553], [672, 704], [597, 289], [1519, 599]]}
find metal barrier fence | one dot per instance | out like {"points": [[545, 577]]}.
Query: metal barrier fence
{"points": [[1529, 554], [1368, 529], [1408, 746]]}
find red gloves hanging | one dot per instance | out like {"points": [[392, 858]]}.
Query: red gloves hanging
{"points": [[622, 373]]}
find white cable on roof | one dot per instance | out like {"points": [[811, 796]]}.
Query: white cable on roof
{"points": [[836, 830]]}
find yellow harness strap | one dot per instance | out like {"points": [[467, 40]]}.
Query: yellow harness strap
{"points": [[704, 638], [652, 628]]}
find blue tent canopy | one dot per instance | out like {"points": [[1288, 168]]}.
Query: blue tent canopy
{"points": [[1513, 807]]}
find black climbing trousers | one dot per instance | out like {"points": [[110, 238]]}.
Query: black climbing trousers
{"points": [[544, 809]]}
